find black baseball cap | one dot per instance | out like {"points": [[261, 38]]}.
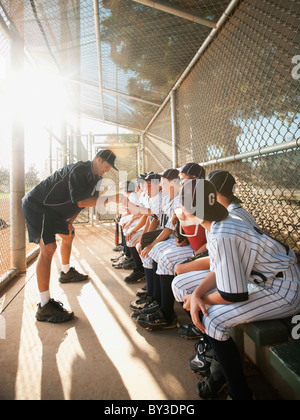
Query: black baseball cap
{"points": [[193, 169], [170, 174], [142, 176], [223, 181], [152, 176], [199, 198], [108, 156], [129, 186]]}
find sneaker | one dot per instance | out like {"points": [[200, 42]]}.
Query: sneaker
{"points": [[135, 277], [72, 276], [118, 248], [53, 312], [189, 331], [157, 321], [210, 387], [201, 362], [117, 257], [149, 308], [118, 264], [138, 304], [142, 291], [128, 265]]}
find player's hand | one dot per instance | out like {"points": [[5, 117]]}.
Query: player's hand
{"points": [[146, 251], [129, 235], [197, 305], [179, 244], [138, 246], [187, 302]]}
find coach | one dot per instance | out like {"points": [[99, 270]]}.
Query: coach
{"points": [[51, 208]]}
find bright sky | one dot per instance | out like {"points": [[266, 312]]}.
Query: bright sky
{"points": [[40, 99]]}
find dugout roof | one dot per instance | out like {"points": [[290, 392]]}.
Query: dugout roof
{"points": [[119, 59]]}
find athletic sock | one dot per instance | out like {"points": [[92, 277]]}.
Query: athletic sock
{"points": [[229, 357], [149, 281], [65, 268], [156, 281], [167, 297], [45, 297], [136, 259]]}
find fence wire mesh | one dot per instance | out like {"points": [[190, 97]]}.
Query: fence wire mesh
{"points": [[238, 108], [241, 97], [5, 259]]}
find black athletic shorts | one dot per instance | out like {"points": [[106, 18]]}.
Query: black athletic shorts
{"points": [[41, 224]]}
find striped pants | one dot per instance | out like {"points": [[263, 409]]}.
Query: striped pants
{"points": [[167, 254], [278, 298]]}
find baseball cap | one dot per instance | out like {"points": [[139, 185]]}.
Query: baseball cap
{"points": [[223, 181], [108, 156], [193, 169], [170, 174], [151, 176], [142, 176], [129, 186], [199, 198]]}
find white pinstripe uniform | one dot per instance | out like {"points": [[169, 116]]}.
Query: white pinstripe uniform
{"points": [[242, 255], [186, 283], [156, 204], [160, 251], [142, 201], [167, 254], [165, 214]]}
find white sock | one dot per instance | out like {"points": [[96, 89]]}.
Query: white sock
{"points": [[65, 268], [45, 297]]}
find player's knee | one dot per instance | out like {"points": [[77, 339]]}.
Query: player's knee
{"points": [[179, 269], [177, 292]]}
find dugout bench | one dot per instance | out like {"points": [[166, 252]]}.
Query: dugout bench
{"points": [[270, 345]]}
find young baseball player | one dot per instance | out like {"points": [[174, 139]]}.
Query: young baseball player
{"points": [[164, 317], [168, 253], [188, 273], [240, 255]]}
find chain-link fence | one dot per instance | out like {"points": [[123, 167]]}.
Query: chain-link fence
{"points": [[5, 261], [126, 149], [238, 109], [235, 107]]}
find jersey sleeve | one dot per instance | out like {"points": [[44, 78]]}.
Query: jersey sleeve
{"points": [[227, 264], [81, 184]]}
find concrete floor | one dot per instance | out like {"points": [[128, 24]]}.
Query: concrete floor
{"points": [[101, 354]]}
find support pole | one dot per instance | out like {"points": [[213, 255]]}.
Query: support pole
{"points": [[174, 131], [99, 53], [176, 12], [142, 137], [17, 176]]}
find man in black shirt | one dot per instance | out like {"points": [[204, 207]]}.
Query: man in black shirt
{"points": [[51, 208]]}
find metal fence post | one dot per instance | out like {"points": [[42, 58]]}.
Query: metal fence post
{"points": [[174, 131], [17, 178]]}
